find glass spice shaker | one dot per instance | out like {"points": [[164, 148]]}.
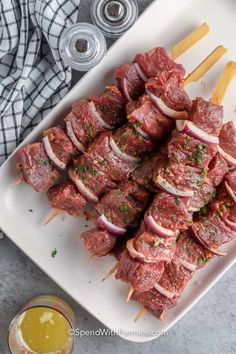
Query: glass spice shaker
{"points": [[82, 46], [114, 17]]}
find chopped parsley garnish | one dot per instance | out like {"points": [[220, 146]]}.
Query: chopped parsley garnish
{"points": [[167, 170], [202, 260], [190, 158], [54, 252], [189, 222], [139, 161], [124, 208], [185, 146], [203, 211], [125, 136], [140, 136], [43, 162], [227, 204], [188, 138], [94, 172], [82, 168], [156, 242], [132, 133], [174, 217], [177, 201], [102, 162]]}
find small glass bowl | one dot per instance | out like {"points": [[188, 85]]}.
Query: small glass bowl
{"points": [[82, 46], [114, 17], [46, 301]]}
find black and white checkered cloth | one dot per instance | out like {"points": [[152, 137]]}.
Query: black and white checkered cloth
{"points": [[33, 77]]}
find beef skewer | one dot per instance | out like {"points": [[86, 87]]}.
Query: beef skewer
{"points": [[153, 225], [214, 227], [131, 77], [224, 230], [38, 162], [132, 146]]}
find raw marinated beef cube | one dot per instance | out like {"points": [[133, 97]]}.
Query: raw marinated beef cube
{"points": [[169, 89], [103, 158], [147, 116], [98, 242], [227, 139], [189, 151], [207, 116], [131, 142], [171, 212], [96, 181], [66, 197], [35, 167], [61, 145], [127, 75], [110, 105], [142, 276], [157, 60]]}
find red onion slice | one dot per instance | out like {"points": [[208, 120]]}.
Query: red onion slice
{"points": [[231, 161], [124, 88], [169, 112], [229, 223], [85, 191], [113, 229], [163, 291], [140, 72], [140, 131], [132, 251], [158, 229], [205, 245], [48, 148], [230, 191], [167, 187], [98, 117], [71, 134], [191, 129], [190, 266], [137, 255], [121, 154]]}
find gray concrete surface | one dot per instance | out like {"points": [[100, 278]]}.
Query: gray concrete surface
{"points": [[210, 327]]}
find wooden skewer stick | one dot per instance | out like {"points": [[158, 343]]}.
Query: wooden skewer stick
{"points": [[190, 40], [131, 290], [224, 81], [89, 259], [18, 181], [205, 65], [113, 270], [141, 313], [53, 216]]}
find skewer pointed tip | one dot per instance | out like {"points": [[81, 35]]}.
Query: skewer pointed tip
{"points": [[140, 314], [14, 185], [111, 271], [52, 216], [89, 259], [131, 290]]}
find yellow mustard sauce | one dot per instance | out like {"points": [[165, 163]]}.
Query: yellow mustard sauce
{"points": [[44, 330]]}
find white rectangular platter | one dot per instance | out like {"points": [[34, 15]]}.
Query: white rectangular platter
{"points": [[164, 23]]}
